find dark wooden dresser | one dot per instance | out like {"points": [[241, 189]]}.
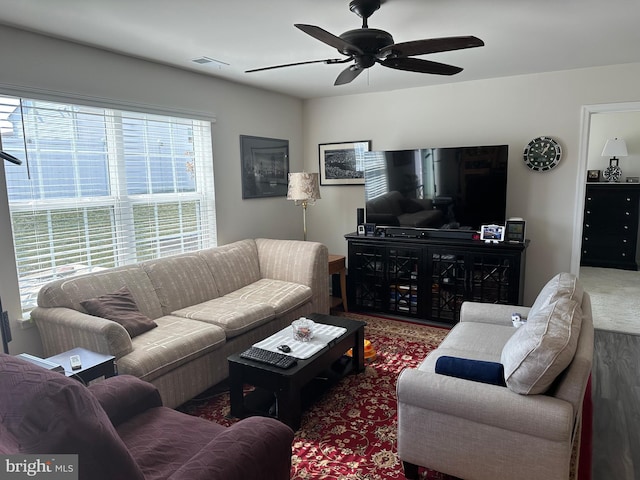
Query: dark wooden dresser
{"points": [[610, 228]]}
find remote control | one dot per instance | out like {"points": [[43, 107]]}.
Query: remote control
{"points": [[75, 362]]}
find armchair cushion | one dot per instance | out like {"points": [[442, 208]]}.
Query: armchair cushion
{"points": [[469, 369], [45, 412], [562, 285], [542, 348], [120, 307], [125, 396]]}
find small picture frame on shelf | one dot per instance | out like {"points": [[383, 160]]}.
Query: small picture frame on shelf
{"points": [[492, 233], [514, 231], [633, 179], [370, 229], [593, 175]]}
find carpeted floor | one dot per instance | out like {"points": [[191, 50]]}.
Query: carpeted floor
{"points": [[350, 431], [614, 298]]}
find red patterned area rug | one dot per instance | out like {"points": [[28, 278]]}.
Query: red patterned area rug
{"points": [[350, 431]]}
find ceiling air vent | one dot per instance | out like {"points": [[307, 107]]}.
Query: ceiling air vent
{"points": [[208, 60]]}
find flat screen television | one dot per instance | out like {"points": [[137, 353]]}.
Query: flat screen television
{"points": [[443, 188]]}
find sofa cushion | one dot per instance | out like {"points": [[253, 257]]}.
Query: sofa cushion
{"points": [[175, 342], [120, 307], [233, 315], [233, 266], [561, 285], [69, 292], [180, 281], [542, 348], [280, 295]]}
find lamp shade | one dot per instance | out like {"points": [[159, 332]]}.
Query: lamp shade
{"points": [[615, 147], [303, 186]]}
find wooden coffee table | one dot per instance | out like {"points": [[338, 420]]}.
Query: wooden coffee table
{"points": [[287, 384]]}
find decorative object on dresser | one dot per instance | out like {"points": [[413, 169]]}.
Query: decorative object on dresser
{"points": [[593, 175], [610, 228], [303, 190], [615, 147], [429, 278]]}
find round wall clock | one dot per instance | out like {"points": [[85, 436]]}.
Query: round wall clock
{"points": [[542, 154]]}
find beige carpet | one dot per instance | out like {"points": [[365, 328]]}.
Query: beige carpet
{"points": [[615, 298]]}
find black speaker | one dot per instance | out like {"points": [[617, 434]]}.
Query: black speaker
{"points": [[360, 212]]}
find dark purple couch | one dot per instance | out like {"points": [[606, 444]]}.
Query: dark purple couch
{"points": [[120, 430]]}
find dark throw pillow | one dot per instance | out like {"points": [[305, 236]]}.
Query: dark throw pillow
{"points": [[120, 307], [474, 370]]}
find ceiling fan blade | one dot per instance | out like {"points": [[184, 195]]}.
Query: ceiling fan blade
{"points": [[421, 66], [430, 45], [329, 38], [348, 75], [328, 61]]}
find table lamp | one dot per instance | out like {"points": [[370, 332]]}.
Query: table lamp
{"points": [[615, 147]]}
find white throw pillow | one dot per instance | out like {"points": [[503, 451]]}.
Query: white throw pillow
{"points": [[562, 285], [542, 348]]}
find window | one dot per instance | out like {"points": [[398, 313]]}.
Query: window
{"points": [[100, 188]]}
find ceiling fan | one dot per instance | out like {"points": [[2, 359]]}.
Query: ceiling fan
{"points": [[367, 46]]}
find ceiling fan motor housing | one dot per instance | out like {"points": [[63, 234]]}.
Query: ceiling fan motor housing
{"points": [[369, 40]]}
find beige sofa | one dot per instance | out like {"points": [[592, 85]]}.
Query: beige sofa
{"points": [[526, 429], [206, 305]]}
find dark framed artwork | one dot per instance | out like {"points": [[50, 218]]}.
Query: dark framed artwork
{"points": [[265, 166], [343, 163]]}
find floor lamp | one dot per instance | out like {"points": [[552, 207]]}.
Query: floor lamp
{"points": [[304, 190]]}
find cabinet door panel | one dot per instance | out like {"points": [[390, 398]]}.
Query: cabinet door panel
{"points": [[493, 279], [403, 274], [449, 284], [367, 275]]}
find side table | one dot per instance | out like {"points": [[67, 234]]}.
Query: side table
{"points": [[337, 264], [94, 365]]}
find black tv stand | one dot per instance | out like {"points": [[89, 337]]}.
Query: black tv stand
{"points": [[428, 278]]}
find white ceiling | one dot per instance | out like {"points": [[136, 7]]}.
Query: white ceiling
{"points": [[521, 36]]}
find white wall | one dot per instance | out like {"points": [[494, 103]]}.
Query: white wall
{"points": [[34, 63], [509, 110]]}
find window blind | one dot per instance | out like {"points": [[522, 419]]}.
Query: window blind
{"points": [[100, 187]]}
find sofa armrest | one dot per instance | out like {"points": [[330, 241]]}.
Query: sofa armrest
{"points": [[537, 415], [490, 312], [306, 263], [256, 447], [125, 396], [63, 328]]}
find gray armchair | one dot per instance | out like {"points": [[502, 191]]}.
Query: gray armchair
{"points": [[481, 431]]}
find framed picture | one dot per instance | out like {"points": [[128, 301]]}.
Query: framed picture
{"points": [[265, 166], [515, 230], [343, 163], [593, 175], [492, 233]]}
